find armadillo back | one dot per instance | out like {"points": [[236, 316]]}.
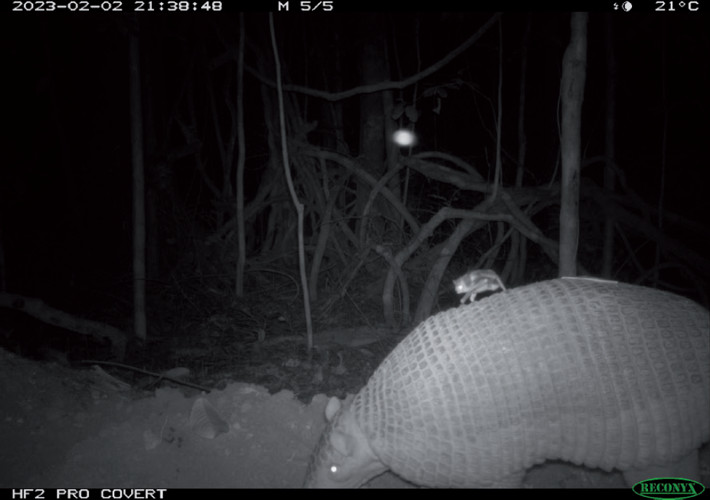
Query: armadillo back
{"points": [[597, 373]]}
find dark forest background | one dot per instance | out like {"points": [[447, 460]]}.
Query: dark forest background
{"points": [[386, 228]]}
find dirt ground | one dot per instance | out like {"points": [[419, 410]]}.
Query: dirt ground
{"points": [[61, 426]]}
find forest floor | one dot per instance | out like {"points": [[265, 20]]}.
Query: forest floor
{"points": [[95, 426]]}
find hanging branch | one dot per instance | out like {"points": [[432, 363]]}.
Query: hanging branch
{"points": [[289, 181], [386, 85]]}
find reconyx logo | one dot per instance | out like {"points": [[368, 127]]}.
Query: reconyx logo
{"points": [[664, 488]]}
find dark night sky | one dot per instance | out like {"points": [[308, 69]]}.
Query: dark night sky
{"points": [[65, 177]]}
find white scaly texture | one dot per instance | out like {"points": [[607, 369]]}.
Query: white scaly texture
{"points": [[598, 373]]}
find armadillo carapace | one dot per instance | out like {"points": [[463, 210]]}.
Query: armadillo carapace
{"points": [[596, 373]]}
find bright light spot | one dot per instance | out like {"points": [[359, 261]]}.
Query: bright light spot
{"points": [[404, 138]]}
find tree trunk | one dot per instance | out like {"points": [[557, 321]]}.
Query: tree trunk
{"points": [[572, 90], [139, 319]]}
